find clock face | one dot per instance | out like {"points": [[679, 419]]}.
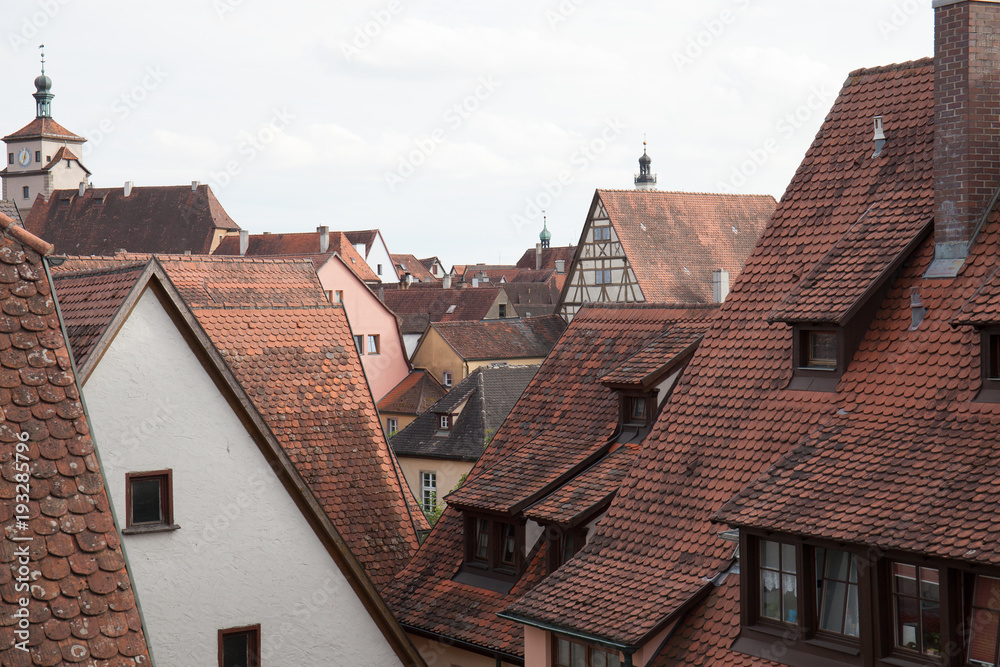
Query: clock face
{"points": [[24, 157]]}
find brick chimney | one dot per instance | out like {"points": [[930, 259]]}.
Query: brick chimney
{"points": [[966, 125]]}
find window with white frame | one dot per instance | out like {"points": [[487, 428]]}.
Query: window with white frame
{"points": [[391, 425], [446, 379], [428, 490]]}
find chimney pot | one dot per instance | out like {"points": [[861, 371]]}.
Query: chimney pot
{"points": [[560, 266], [244, 241], [538, 256], [879, 137], [324, 238], [83, 188], [475, 282], [446, 282], [194, 186], [128, 188]]}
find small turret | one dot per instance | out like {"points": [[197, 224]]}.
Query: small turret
{"points": [[645, 180]]}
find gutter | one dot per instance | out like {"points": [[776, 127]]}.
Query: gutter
{"points": [[499, 656]]}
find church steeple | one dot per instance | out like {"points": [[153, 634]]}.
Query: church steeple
{"points": [[645, 180], [545, 236], [43, 92]]}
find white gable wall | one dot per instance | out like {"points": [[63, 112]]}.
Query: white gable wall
{"points": [[244, 554]]}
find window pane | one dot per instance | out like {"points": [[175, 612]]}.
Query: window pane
{"points": [[929, 584], [509, 543], [822, 349], [562, 653], [146, 506], [579, 652], [931, 623], [834, 598], [235, 650], [614, 661], [983, 643], [482, 539], [787, 558], [851, 621], [790, 597], [905, 579], [770, 595], [907, 622], [769, 555], [837, 564], [598, 659]]}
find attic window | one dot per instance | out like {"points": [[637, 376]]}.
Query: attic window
{"points": [[149, 501], [444, 422], [819, 357], [602, 233], [494, 544], [636, 409], [451, 309], [990, 365], [819, 350], [239, 647]]}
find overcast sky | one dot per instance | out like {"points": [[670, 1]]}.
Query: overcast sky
{"points": [[448, 125]]}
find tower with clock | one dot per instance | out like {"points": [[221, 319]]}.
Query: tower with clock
{"points": [[43, 155]]}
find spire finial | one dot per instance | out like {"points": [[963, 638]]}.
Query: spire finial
{"points": [[43, 90], [41, 48], [545, 236]]}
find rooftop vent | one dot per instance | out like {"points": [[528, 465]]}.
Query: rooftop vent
{"points": [[451, 309], [244, 241], [83, 188], [194, 186], [128, 188], [879, 137], [917, 310]]}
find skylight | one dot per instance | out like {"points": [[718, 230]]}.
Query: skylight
{"points": [[451, 309]]}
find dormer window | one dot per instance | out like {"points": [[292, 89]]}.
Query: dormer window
{"points": [[819, 350], [494, 545], [819, 358], [990, 365], [636, 409], [444, 422]]}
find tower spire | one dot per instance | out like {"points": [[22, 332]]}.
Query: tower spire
{"points": [[43, 91], [645, 179], [545, 236]]}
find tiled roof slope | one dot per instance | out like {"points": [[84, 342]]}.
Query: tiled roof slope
{"points": [[171, 219], [300, 245], [417, 307], [413, 395], [981, 309], [89, 301], [675, 240], [563, 400], [705, 634], [642, 366], [489, 393], [9, 208], [293, 354], [46, 128], [731, 417], [410, 264], [81, 607], [502, 339], [586, 491], [549, 257]]}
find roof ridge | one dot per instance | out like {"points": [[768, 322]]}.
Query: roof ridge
{"points": [[686, 192], [893, 67], [101, 270]]}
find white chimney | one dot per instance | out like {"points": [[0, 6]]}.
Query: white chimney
{"points": [[538, 257], [475, 282], [244, 241], [446, 282], [324, 238], [128, 188], [560, 266], [720, 285], [194, 186], [83, 188]]}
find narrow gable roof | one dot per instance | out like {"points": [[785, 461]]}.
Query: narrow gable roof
{"points": [[81, 605], [413, 395], [169, 219], [304, 245], [418, 306]]}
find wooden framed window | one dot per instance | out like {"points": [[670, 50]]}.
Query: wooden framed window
{"points": [[359, 343], [563, 545], [149, 501], [818, 350], [503, 310], [602, 233], [374, 343], [779, 582], [819, 357], [444, 422], [240, 647], [916, 608], [572, 653], [602, 277], [38, 156], [837, 581], [446, 379], [984, 625], [25, 191], [494, 544], [391, 425], [481, 540], [989, 344]]}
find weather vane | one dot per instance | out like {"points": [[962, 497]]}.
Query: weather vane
{"points": [[41, 47]]}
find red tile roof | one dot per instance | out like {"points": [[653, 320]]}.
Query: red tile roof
{"points": [[292, 352], [502, 339], [303, 246], [81, 606], [645, 367], [675, 240], [564, 410], [549, 257], [170, 219], [418, 391], [89, 300], [417, 307], [579, 498], [44, 128], [731, 417], [415, 267]]}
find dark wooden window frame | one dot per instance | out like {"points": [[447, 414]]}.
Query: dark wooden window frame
{"points": [[626, 403], [556, 548], [989, 365], [590, 648], [805, 645], [493, 565], [166, 479], [253, 632], [816, 379]]}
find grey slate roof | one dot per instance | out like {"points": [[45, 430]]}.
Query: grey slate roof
{"points": [[489, 394]]}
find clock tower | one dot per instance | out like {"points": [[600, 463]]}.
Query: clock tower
{"points": [[43, 155]]}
